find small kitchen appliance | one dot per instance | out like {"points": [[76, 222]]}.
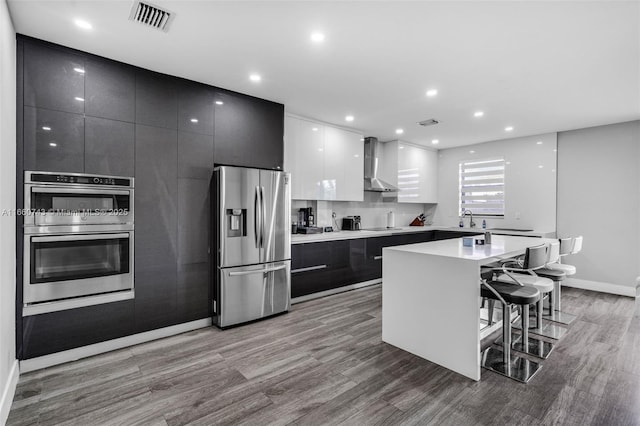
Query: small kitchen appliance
{"points": [[351, 223]]}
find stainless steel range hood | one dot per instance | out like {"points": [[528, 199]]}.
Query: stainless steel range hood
{"points": [[371, 163]]}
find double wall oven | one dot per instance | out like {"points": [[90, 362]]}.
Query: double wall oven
{"points": [[78, 241]]}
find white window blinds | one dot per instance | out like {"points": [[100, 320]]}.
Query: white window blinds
{"points": [[482, 187]]}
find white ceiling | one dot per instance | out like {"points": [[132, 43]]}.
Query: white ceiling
{"points": [[537, 66]]}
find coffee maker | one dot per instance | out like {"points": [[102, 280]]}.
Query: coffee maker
{"points": [[307, 222]]}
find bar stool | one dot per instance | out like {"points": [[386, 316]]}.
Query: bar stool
{"points": [[556, 275], [567, 246], [500, 360], [521, 271]]}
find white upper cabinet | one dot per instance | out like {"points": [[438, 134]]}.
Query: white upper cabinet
{"points": [[325, 162], [413, 170]]}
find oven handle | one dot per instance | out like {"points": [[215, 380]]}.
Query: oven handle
{"points": [[58, 190], [82, 237]]}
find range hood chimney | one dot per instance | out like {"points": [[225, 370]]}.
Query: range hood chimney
{"points": [[371, 163]]}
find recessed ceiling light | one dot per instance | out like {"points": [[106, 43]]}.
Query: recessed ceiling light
{"points": [[53, 144], [320, 149], [79, 99], [219, 103], [317, 37], [255, 77], [540, 166], [83, 24], [399, 131], [315, 129], [356, 155], [401, 147], [478, 114], [432, 92], [80, 70], [508, 162], [435, 141], [508, 129], [194, 120], [47, 128], [539, 143], [472, 152], [349, 118], [555, 150]]}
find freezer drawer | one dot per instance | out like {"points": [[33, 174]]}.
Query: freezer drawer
{"points": [[252, 292]]}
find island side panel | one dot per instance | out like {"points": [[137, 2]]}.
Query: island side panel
{"points": [[430, 307]]}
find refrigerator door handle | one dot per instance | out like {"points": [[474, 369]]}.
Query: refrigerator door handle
{"points": [[257, 220], [263, 216], [257, 271]]}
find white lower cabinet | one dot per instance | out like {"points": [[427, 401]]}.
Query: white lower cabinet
{"points": [[414, 170], [325, 162]]}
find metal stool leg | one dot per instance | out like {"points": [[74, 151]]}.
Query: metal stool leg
{"points": [[500, 360], [545, 329], [554, 307], [492, 304], [526, 343]]}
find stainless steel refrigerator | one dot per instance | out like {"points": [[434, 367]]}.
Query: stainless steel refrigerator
{"points": [[252, 237]]}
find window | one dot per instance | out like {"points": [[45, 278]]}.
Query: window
{"points": [[482, 187]]}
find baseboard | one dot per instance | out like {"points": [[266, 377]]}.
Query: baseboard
{"points": [[335, 291], [110, 345], [621, 290], [9, 391]]}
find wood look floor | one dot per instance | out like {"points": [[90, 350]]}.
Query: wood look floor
{"points": [[324, 363]]}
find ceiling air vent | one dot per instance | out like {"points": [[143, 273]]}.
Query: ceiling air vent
{"points": [[429, 122], [150, 15]]}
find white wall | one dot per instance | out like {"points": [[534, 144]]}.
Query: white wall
{"points": [[8, 364], [530, 190], [599, 198]]}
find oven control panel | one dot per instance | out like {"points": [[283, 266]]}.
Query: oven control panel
{"points": [[79, 179]]}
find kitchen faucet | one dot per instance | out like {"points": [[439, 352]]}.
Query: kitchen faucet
{"points": [[472, 224]]}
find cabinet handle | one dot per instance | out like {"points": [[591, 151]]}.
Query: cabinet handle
{"points": [[310, 268], [377, 257]]}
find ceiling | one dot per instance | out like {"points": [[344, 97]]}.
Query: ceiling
{"points": [[535, 65]]}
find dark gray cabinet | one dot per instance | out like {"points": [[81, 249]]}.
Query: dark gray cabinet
{"points": [[195, 108], [195, 155], [156, 242], [248, 131], [59, 331], [156, 100], [109, 89], [109, 147], [53, 78], [53, 140], [330, 265], [193, 249]]}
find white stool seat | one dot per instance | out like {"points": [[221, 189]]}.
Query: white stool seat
{"points": [[567, 269], [545, 285]]}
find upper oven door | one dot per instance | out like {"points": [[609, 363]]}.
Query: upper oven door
{"points": [[64, 266], [56, 205]]}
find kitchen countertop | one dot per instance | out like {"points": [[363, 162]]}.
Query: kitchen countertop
{"points": [[347, 235]]}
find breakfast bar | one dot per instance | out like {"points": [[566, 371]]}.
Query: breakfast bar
{"points": [[431, 297]]}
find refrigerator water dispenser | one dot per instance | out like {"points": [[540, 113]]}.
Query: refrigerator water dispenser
{"points": [[236, 222]]}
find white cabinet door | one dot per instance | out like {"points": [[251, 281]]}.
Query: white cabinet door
{"points": [[417, 174], [344, 164], [304, 158], [326, 163], [352, 188]]}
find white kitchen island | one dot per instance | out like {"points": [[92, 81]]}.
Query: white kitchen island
{"points": [[431, 298]]}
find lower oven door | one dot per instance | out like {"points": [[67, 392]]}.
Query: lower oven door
{"points": [[61, 267]]}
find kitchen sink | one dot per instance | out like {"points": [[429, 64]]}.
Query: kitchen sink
{"points": [[510, 229]]}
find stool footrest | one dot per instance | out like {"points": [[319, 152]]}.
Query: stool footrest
{"points": [[536, 347], [548, 329], [561, 317]]}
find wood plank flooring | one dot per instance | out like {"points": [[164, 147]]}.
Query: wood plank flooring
{"points": [[324, 363]]}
